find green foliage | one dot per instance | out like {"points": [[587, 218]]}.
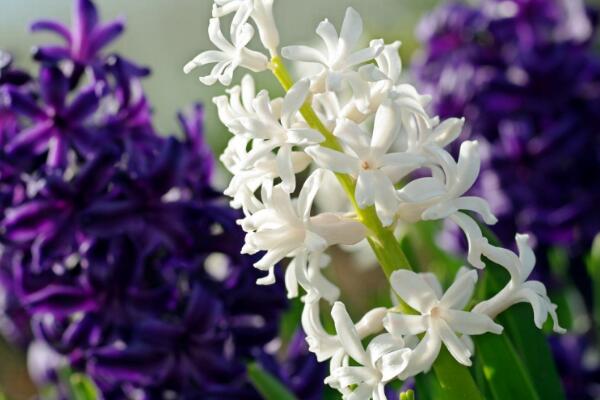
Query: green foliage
{"points": [[267, 385], [503, 369]]}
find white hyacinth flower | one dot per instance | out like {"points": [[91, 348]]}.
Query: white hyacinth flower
{"points": [[273, 126], [519, 289], [261, 12], [339, 59], [286, 229], [229, 56], [367, 158], [384, 359], [441, 195], [442, 317]]}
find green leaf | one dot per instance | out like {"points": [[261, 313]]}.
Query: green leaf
{"points": [[267, 385], [454, 379], [82, 388], [503, 369]]}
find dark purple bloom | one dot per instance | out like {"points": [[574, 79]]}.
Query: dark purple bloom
{"points": [[115, 249], [55, 126], [83, 41], [524, 75]]}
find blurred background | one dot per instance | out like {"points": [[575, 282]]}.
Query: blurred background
{"points": [[164, 35]]}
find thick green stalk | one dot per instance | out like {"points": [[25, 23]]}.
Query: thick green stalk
{"points": [[456, 381]]}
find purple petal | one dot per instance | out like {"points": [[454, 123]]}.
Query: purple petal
{"points": [[85, 19], [141, 365], [105, 34], [52, 26], [24, 104], [51, 54], [203, 310], [32, 219], [54, 87], [60, 301], [84, 105], [33, 139], [57, 152]]}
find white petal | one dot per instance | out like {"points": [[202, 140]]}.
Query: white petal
{"points": [[354, 137], [422, 189], [454, 345], [347, 333], [366, 188], [327, 32], [338, 230], [308, 193], [423, 356], [333, 160], [352, 27], [293, 100], [304, 136], [394, 363], [371, 322], [403, 324], [467, 167], [385, 129], [471, 323], [458, 294], [386, 201], [447, 131], [413, 289], [286, 169], [526, 255], [303, 53]]}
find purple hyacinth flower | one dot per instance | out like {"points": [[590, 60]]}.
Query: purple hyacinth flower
{"points": [[83, 41], [118, 253], [56, 126]]}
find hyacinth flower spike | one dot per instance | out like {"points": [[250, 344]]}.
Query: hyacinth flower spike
{"points": [[359, 122]]}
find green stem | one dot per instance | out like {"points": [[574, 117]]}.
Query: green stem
{"points": [[455, 379]]}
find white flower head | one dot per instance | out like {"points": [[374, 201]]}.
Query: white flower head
{"points": [[367, 158], [339, 60], [261, 12], [441, 317], [384, 359], [229, 56], [519, 289], [283, 228]]}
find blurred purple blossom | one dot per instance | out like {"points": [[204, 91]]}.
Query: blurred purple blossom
{"points": [[115, 249]]}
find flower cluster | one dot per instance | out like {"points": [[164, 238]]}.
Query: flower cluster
{"points": [[114, 247], [525, 76], [354, 117]]}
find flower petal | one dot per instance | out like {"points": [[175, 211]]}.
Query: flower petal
{"points": [[346, 332], [461, 290], [403, 324], [333, 160], [455, 346], [413, 289], [471, 323]]}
